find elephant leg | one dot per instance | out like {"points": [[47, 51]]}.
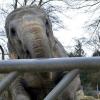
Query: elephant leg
{"points": [[17, 91]]}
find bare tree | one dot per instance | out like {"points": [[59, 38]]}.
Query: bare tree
{"points": [[88, 6], [47, 5], [77, 4], [92, 26]]}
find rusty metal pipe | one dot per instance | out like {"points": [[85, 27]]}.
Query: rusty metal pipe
{"points": [[50, 64], [62, 85]]}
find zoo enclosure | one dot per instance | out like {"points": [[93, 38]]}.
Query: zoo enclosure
{"points": [[50, 64]]}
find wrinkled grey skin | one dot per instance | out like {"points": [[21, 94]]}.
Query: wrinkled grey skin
{"points": [[30, 35]]}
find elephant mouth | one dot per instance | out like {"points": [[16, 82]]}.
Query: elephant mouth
{"points": [[38, 50]]}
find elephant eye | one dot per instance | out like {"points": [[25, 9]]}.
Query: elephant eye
{"points": [[13, 31], [47, 26]]}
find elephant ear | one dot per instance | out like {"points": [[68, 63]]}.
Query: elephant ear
{"points": [[56, 46], [49, 32]]}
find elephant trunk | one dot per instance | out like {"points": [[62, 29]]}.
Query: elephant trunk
{"points": [[36, 42]]}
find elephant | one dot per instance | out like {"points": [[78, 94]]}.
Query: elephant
{"points": [[30, 35]]}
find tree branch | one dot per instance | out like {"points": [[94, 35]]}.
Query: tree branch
{"points": [[25, 2], [15, 5], [2, 50], [32, 2], [83, 6], [40, 3], [46, 2], [19, 3], [4, 10]]}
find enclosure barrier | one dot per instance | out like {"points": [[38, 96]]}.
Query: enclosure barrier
{"points": [[49, 64], [60, 87]]}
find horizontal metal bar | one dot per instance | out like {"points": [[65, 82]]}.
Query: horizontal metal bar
{"points": [[4, 83], [62, 85], [50, 64]]}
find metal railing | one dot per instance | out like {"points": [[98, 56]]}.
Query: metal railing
{"points": [[62, 85], [49, 64]]}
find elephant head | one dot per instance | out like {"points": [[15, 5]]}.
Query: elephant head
{"points": [[29, 32]]}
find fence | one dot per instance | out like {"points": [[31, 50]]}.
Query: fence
{"points": [[50, 64]]}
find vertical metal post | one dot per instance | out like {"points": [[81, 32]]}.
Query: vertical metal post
{"points": [[59, 88]]}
